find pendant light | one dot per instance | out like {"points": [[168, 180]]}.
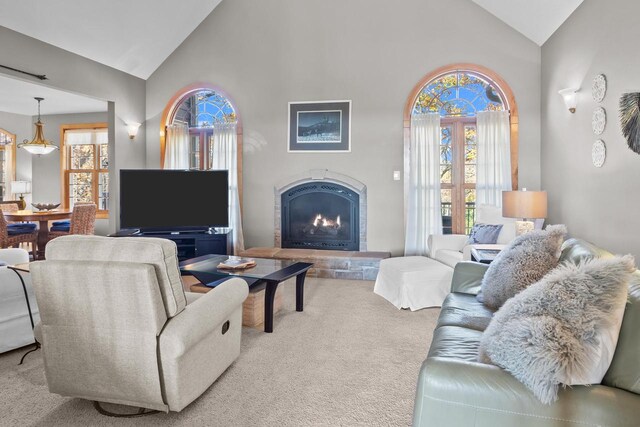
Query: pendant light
{"points": [[38, 145]]}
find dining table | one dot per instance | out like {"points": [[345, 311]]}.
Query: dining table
{"points": [[42, 218]]}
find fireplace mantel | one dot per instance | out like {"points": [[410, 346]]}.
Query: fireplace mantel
{"points": [[325, 176]]}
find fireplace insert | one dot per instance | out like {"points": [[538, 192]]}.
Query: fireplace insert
{"points": [[320, 215]]}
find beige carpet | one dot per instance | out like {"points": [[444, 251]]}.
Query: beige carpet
{"points": [[350, 359]]}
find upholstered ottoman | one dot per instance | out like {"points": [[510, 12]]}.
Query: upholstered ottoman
{"points": [[413, 282]]}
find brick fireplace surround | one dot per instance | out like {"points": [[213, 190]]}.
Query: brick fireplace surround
{"points": [[357, 265]]}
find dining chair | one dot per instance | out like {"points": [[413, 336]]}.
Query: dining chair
{"points": [[19, 226], [83, 221], [14, 236]]}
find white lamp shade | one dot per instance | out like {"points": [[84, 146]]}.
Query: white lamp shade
{"points": [[21, 187], [524, 204], [132, 129]]}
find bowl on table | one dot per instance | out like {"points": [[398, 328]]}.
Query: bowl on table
{"points": [[45, 206]]}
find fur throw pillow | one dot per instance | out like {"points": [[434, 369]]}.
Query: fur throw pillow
{"points": [[559, 330], [525, 261]]}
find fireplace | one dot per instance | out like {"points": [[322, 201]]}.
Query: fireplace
{"points": [[320, 209], [320, 216]]}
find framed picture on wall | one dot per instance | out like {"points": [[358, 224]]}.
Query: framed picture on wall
{"points": [[319, 126]]}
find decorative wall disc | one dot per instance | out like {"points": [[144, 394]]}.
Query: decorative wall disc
{"points": [[599, 87], [598, 153], [630, 118], [598, 120]]}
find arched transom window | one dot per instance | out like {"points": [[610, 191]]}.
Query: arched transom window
{"points": [[459, 94]]}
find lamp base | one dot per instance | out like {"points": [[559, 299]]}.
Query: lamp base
{"points": [[22, 204], [524, 227]]}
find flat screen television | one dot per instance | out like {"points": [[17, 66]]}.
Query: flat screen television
{"points": [[173, 200]]}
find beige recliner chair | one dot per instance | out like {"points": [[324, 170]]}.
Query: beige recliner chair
{"points": [[117, 326]]}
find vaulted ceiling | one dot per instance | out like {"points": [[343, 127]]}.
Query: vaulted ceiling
{"points": [[134, 36], [536, 19]]}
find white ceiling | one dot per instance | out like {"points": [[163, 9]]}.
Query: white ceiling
{"points": [[16, 96], [134, 36], [536, 19]]}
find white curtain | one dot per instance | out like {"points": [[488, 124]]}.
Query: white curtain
{"points": [[494, 157], [224, 150], [424, 216], [9, 173], [85, 136], [176, 147]]}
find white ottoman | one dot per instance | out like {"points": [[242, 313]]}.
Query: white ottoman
{"points": [[413, 282]]}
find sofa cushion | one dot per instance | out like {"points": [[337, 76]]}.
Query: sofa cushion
{"points": [[455, 342], [624, 372], [493, 215], [525, 261], [562, 329], [466, 311], [160, 253], [448, 257]]}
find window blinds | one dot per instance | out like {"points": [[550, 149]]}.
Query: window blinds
{"points": [[85, 136]]}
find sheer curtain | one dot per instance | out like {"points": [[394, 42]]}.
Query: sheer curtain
{"points": [[9, 173], [177, 147], [423, 205], [494, 157], [224, 155]]}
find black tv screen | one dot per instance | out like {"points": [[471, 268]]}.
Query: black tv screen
{"points": [[168, 200]]}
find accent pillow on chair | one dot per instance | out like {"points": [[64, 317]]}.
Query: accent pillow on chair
{"points": [[562, 329], [525, 261], [485, 234]]}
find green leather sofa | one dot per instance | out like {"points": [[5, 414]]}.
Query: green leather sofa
{"points": [[456, 390]]}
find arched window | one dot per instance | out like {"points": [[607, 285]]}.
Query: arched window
{"points": [[7, 163], [199, 113], [457, 93], [201, 130]]}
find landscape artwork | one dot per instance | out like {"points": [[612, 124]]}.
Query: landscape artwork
{"points": [[320, 126]]}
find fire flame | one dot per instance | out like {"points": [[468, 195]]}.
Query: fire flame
{"points": [[326, 222]]}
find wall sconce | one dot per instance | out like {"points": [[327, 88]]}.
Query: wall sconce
{"points": [[132, 129], [570, 99]]}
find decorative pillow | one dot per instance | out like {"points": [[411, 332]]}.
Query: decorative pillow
{"points": [[562, 329], [525, 261], [484, 234]]}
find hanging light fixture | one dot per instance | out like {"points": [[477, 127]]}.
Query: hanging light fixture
{"points": [[38, 145]]}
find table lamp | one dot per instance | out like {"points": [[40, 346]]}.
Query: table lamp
{"points": [[525, 205], [22, 188]]}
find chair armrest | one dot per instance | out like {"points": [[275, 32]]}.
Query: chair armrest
{"points": [[454, 242], [203, 315], [466, 252], [467, 277], [13, 256]]}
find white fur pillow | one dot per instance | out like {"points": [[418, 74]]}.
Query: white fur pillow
{"points": [[525, 261], [562, 329]]}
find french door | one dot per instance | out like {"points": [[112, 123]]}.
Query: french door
{"points": [[458, 152]]}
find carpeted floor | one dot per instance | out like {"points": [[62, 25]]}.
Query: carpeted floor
{"points": [[350, 359]]}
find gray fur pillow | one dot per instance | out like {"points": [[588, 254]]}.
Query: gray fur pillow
{"points": [[563, 328], [525, 261]]}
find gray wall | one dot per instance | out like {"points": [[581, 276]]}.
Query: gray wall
{"points": [[265, 54], [73, 73], [46, 184], [598, 204], [22, 126]]}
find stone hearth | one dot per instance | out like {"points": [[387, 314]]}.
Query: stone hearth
{"points": [[327, 264]]}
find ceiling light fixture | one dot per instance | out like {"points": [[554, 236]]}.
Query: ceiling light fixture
{"points": [[38, 145]]}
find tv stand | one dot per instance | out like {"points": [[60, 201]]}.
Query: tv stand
{"points": [[190, 243]]}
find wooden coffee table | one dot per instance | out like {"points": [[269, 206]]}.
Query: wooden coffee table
{"points": [[267, 272]]}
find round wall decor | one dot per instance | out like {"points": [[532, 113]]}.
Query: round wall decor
{"points": [[598, 120], [598, 153], [629, 117], [599, 87]]}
